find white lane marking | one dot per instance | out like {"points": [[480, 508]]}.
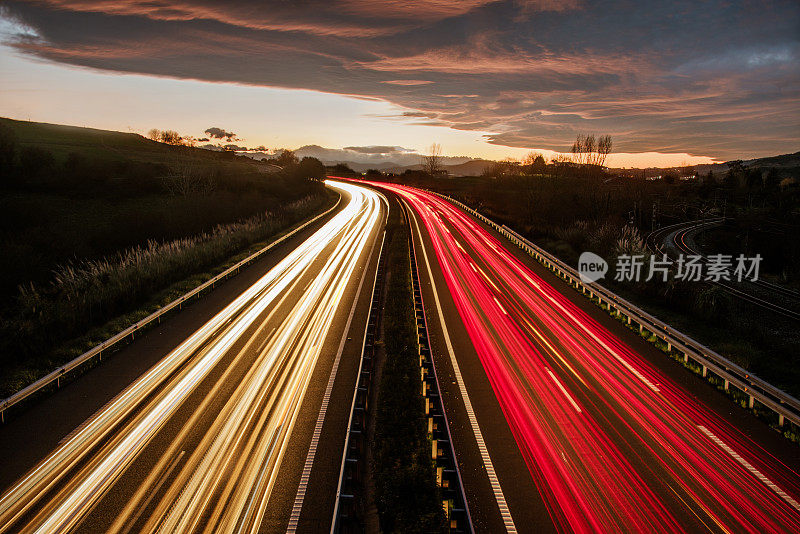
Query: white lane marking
{"points": [[508, 521], [294, 518], [499, 305], [563, 390], [747, 465]]}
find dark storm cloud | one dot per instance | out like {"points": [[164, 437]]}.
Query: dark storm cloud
{"points": [[710, 78]]}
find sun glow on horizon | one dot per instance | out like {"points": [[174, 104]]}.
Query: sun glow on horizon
{"points": [[275, 118]]}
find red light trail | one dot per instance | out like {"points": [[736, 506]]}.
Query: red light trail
{"points": [[610, 442]]}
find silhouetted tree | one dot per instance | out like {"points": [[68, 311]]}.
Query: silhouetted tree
{"points": [[286, 159], [171, 137], [432, 163], [587, 151], [311, 168], [534, 163], [342, 169], [733, 176]]}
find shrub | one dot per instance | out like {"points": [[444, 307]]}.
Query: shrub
{"points": [[86, 293]]}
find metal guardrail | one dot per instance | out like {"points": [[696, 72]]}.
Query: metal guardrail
{"points": [[758, 390], [448, 476], [97, 351], [344, 512]]}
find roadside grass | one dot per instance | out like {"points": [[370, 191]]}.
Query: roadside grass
{"points": [[407, 497], [69, 194], [90, 301]]}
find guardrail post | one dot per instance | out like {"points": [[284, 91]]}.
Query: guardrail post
{"points": [[768, 396]]}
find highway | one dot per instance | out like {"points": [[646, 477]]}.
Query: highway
{"points": [[565, 421], [680, 239], [203, 440]]}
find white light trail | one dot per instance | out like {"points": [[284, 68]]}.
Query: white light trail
{"points": [[238, 459]]}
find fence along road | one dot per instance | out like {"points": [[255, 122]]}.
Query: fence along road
{"points": [[155, 317], [785, 406], [607, 438], [198, 442]]}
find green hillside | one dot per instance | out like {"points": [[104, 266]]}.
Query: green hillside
{"points": [[62, 140], [74, 198]]}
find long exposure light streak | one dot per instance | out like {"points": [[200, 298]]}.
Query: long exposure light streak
{"points": [[224, 483], [610, 442]]}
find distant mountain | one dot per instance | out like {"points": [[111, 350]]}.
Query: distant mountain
{"points": [[781, 162], [784, 161], [383, 158]]}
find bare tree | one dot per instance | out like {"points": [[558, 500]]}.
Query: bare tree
{"points": [[588, 151], [154, 134], [604, 145], [432, 164]]}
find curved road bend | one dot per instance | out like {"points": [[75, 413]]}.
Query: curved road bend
{"points": [[214, 436], [679, 238], [586, 427]]}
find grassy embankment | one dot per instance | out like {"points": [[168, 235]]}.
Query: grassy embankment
{"points": [[100, 228], [407, 497]]}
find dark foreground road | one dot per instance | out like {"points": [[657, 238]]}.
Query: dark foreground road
{"points": [[563, 420], [216, 435]]}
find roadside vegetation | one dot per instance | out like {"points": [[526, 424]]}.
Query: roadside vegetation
{"points": [[94, 224], [407, 497], [574, 204]]}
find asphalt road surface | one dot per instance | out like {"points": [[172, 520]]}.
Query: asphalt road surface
{"points": [[681, 239], [563, 420], [216, 436]]}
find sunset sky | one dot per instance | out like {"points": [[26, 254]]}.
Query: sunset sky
{"points": [[671, 82]]}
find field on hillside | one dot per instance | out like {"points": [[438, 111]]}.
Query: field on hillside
{"points": [[77, 193], [93, 224]]}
